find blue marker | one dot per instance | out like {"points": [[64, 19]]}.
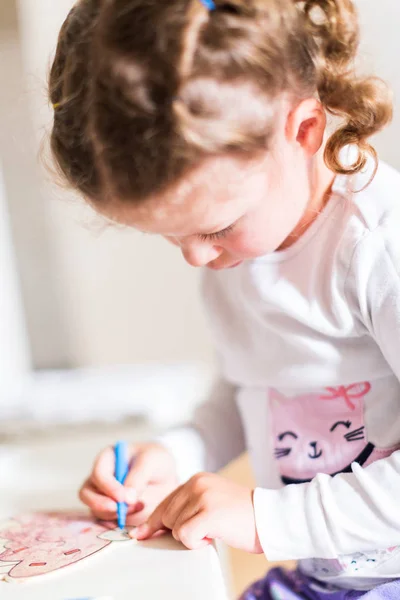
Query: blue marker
{"points": [[121, 471]]}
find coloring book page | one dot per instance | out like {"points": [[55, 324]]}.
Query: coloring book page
{"points": [[36, 544]]}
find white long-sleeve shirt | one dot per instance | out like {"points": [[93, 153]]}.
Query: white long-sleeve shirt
{"points": [[309, 344]]}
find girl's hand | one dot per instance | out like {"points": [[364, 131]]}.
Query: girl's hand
{"points": [[151, 478], [207, 507]]}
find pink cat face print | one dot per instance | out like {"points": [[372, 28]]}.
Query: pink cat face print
{"points": [[319, 433]]}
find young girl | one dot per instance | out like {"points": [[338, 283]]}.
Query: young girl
{"points": [[206, 123]]}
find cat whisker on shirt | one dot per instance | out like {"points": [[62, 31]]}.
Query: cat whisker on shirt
{"points": [[282, 452], [355, 435]]}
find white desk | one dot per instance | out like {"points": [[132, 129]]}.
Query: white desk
{"points": [[45, 475]]}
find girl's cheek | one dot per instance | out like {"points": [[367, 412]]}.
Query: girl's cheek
{"points": [[242, 250], [249, 245]]}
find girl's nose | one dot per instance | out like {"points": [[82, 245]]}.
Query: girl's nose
{"points": [[199, 255]]}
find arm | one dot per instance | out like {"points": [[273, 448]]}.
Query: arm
{"points": [[357, 511], [330, 516], [214, 437]]}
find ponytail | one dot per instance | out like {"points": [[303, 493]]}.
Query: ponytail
{"points": [[363, 104]]}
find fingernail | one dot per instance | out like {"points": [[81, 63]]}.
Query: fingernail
{"points": [[130, 496], [142, 531], [133, 533]]}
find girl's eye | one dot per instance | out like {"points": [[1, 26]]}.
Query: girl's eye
{"points": [[217, 235]]}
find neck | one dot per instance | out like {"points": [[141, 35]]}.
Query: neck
{"points": [[321, 181]]}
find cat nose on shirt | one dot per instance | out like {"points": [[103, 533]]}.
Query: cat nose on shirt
{"points": [[316, 453]]}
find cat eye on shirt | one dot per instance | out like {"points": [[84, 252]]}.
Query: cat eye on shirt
{"points": [[282, 436], [347, 424]]}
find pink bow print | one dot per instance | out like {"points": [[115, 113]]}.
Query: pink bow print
{"points": [[355, 391]]}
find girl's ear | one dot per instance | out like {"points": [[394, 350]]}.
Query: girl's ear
{"points": [[306, 125]]}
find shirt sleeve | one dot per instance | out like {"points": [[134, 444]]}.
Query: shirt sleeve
{"points": [[332, 516], [357, 511], [214, 437]]}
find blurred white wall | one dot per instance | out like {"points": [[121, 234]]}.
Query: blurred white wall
{"points": [[22, 195], [380, 50], [93, 296], [15, 354]]}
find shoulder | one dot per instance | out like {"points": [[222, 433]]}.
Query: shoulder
{"points": [[373, 228], [377, 202], [371, 217]]}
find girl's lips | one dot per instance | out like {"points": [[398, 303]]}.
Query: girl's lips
{"points": [[239, 262], [222, 267]]}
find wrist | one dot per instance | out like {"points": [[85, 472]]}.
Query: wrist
{"points": [[257, 544]]}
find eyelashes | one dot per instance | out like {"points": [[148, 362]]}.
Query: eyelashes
{"points": [[218, 235]]}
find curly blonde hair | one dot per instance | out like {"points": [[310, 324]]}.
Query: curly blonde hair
{"points": [[144, 90]]}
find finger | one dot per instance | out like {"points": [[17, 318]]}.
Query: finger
{"points": [[97, 502], [136, 508], [138, 518], [140, 474], [194, 532], [150, 499], [109, 517], [160, 533], [103, 476], [156, 521], [156, 493], [142, 515], [183, 516]]}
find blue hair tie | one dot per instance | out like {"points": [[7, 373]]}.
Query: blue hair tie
{"points": [[209, 4]]}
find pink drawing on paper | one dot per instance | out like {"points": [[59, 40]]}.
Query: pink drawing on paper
{"points": [[40, 543]]}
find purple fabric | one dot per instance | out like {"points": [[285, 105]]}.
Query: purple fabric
{"points": [[294, 585]]}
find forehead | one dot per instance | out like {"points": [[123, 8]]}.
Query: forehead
{"points": [[212, 197]]}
